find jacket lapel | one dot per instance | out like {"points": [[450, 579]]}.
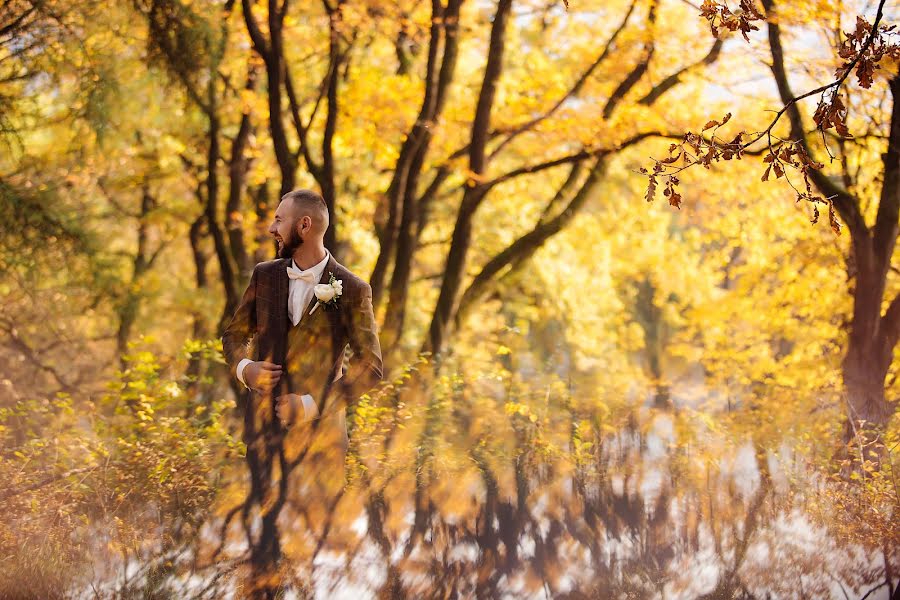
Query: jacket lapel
{"points": [[275, 340], [329, 268], [282, 287]]}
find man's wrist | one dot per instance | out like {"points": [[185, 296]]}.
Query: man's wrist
{"points": [[240, 371]]}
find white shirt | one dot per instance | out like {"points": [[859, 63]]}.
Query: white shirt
{"points": [[300, 294]]}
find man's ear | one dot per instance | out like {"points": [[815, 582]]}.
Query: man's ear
{"points": [[299, 226]]}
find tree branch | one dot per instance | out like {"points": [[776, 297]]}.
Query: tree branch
{"points": [[846, 204], [474, 193], [11, 492], [335, 58], [481, 122], [17, 21], [884, 233], [563, 191], [573, 91], [576, 157], [256, 36], [302, 130], [19, 344], [631, 80], [675, 78], [526, 246]]}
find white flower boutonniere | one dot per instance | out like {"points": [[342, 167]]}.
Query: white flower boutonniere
{"points": [[328, 293]]}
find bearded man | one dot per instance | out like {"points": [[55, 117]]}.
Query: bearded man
{"points": [[286, 341]]}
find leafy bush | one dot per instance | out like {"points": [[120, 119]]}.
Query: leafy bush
{"points": [[128, 477]]}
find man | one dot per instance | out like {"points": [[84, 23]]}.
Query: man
{"points": [[301, 311], [286, 343]]}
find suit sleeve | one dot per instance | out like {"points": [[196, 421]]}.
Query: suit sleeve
{"points": [[241, 329], [366, 368]]}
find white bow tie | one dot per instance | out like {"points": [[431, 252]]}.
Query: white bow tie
{"points": [[307, 276]]}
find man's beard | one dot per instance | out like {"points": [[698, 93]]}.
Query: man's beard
{"points": [[289, 245]]}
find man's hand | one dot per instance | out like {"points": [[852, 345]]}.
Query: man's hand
{"points": [[287, 407], [290, 409], [262, 376]]}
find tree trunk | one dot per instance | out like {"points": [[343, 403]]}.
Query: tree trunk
{"points": [[200, 329], [873, 335], [868, 411], [223, 253], [401, 231], [272, 53], [335, 58], [262, 203], [128, 310], [237, 171], [474, 191], [265, 551]]}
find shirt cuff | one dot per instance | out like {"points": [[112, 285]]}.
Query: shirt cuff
{"points": [[310, 410], [240, 370]]}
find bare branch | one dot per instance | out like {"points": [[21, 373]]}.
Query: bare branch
{"points": [[302, 130], [573, 91], [672, 80], [887, 220], [11, 492], [23, 348], [638, 72], [256, 36], [576, 157], [524, 247]]}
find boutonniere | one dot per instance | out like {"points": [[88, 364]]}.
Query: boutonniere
{"points": [[328, 293]]}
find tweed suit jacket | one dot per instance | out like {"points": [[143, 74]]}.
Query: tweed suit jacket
{"points": [[259, 331]]}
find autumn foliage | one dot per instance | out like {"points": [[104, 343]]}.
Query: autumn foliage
{"points": [[637, 296]]}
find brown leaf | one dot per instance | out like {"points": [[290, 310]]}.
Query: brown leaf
{"points": [[832, 219], [865, 71], [820, 115], [651, 188], [863, 29], [841, 128], [673, 196], [693, 142], [808, 162], [675, 200], [786, 153], [749, 7], [671, 159]]}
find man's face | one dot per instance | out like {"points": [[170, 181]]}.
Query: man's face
{"points": [[284, 229]]}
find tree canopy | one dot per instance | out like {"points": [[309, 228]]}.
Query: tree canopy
{"points": [[632, 263]]}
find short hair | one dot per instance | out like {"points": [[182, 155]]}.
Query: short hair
{"points": [[309, 202]]}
